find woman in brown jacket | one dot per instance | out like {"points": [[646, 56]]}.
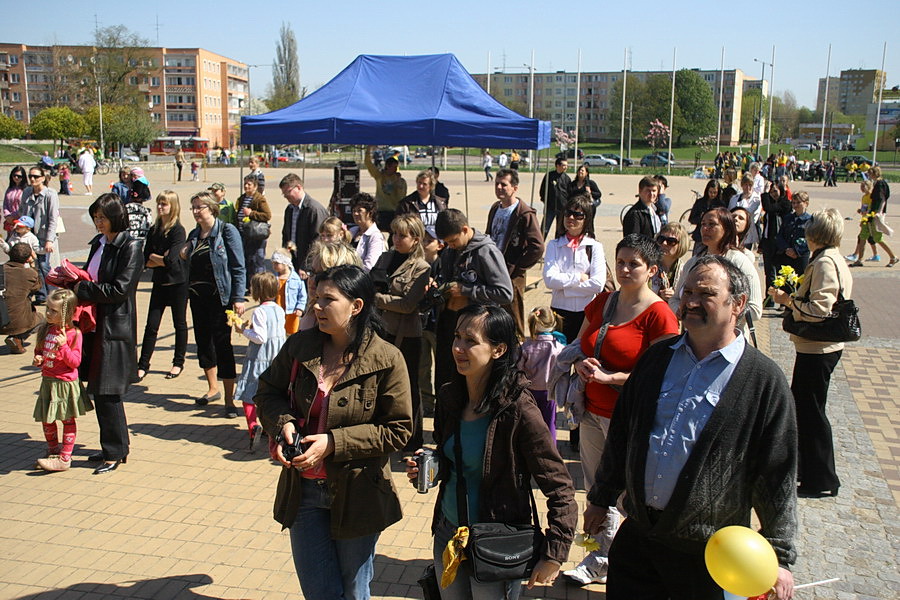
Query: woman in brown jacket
{"points": [[505, 443], [252, 206], [344, 392], [401, 276]]}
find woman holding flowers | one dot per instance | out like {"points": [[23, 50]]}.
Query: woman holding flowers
{"points": [[826, 278]]}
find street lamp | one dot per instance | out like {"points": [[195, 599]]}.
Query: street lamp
{"points": [[249, 108], [99, 102]]}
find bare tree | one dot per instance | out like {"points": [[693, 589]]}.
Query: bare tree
{"points": [[285, 89]]}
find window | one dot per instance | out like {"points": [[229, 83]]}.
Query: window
{"points": [[507, 92], [537, 92], [13, 59], [133, 80], [180, 99], [559, 91], [570, 91], [154, 81], [180, 80], [14, 78], [156, 99], [520, 92], [17, 115], [558, 104], [16, 97], [570, 78], [570, 104], [559, 79], [507, 79]]}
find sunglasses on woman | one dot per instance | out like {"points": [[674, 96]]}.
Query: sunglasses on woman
{"points": [[577, 215], [664, 239]]}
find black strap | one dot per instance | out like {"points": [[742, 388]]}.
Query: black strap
{"points": [[608, 310], [462, 500], [840, 294]]}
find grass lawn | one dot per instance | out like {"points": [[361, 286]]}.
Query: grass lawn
{"points": [[14, 154]]}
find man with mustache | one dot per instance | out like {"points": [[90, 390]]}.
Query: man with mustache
{"points": [[703, 431]]}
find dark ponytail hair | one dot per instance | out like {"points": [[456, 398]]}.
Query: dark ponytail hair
{"points": [[498, 328], [355, 283]]}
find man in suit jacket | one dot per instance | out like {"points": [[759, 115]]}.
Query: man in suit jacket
{"points": [[704, 431], [642, 217], [303, 216]]}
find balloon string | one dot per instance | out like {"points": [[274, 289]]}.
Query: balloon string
{"points": [[815, 583]]}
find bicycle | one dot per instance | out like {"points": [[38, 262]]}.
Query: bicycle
{"points": [[102, 167]]}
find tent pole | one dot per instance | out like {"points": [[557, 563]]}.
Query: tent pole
{"points": [[466, 178], [546, 184], [534, 178], [303, 169]]}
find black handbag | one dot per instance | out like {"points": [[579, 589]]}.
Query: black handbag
{"points": [[498, 551], [431, 589], [842, 325], [256, 231]]}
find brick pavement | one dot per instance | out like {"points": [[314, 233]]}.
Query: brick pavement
{"points": [[190, 515]]}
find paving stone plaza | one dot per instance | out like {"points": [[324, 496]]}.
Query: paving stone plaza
{"points": [[189, 515]]}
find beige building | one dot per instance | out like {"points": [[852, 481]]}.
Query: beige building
{"points": [[189, 91], [555, 99], [858, 89], [834, 84]]}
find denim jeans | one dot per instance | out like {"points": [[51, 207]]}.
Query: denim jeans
{"points": [[43, 268], [327, 568], [464, 587]]}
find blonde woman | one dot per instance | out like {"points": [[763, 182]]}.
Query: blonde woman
{"points": [[674, 242], [162, 254], [321, 257]]}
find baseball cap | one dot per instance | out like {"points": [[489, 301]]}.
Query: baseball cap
{"points": [[429, 229], [24, 221], [217, 186]]}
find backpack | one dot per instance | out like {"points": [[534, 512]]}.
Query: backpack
{"points": [[610, 285], [138, 220]]}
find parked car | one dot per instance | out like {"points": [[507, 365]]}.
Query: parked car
{"points": [[570, 153], [854, 158], [421, 152], [809, 147], [598, 160], [628, 162], [656, 160], [126, 156]]}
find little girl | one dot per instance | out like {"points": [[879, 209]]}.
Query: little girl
{"points": [[291, 290], [334, 230], [64, 176], [266, 334], [62, 397], [195, 171], [538, 357]]}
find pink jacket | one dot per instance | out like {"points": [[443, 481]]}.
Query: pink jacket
{"points": [[60, 361], [537, 359]]}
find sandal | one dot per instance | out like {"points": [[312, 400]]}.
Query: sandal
{"points": [[171, 375], [893, 261]]}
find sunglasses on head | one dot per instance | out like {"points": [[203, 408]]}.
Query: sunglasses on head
{"points": [[664, 239], [575, 214]]}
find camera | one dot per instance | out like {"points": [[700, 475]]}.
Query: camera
{"points": [[291, 451], [434, 296], [427, 462]]}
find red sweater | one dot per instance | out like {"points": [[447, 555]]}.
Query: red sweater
{"points": [[622, 346], [60, 362]]}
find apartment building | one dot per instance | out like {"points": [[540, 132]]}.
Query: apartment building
{"points": [[858, 89], [189, 91], [555, 99], [834, 84]]}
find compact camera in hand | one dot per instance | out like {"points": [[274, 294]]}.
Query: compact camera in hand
{"points": [[291, 451]]}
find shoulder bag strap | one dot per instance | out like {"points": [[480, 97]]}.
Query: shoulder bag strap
{"points": [[840, 294], [462, 501], [608, 312]]}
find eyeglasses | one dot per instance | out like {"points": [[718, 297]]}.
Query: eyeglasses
{"points": [[17, 175], [198, 208], [578, 216], [30, 176], [664, 239]]}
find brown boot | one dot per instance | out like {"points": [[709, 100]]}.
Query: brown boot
{"points": [[54, 463], [15, 345]]}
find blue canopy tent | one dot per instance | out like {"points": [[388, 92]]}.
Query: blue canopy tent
{"points": [[426, 100]]}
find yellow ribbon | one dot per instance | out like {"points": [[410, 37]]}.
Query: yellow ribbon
{"points": [[453, 555]]}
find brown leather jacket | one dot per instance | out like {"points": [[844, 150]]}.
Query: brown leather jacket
{"points": [[369, 416], [518, 447]]}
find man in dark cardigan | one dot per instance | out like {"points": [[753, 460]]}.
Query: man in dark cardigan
{"points": [[703, 431]]}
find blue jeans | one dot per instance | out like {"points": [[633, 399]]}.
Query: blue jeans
{"points": [[43, 268], [328, 568], [464, 587], [254, 258]]}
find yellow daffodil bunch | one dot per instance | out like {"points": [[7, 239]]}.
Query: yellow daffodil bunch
{"points": [[233, 319], [867, 217], [787, 279], [587, 542]]}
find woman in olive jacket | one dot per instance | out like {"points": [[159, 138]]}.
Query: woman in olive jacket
{"points": [[344, 392], [404, 276], [488, 405], [109, 353], [252, 206]]}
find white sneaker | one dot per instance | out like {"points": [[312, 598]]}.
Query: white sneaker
{"points": [[584, 575]]}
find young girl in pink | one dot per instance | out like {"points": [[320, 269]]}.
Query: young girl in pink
{"points": [[537, 358], [62, 397]]}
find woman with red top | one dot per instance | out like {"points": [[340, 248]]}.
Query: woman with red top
{"points": [[625, 323]]}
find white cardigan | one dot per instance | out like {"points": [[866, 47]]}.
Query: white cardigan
{"points": [[563, 269]]}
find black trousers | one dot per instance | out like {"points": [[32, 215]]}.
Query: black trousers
{"points": [[812, 376], [641, 568], [212, 333], [444, 367], [411, 348], [572, 321], [769, 251], [161, 296], [113, 426]]}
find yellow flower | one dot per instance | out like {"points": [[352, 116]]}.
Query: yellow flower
{"points": [[792, 278], [246, 219], [786, 270], [587, 542], [800, 280], [779, 282]]}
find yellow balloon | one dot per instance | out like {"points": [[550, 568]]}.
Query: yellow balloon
{"points": [[741, 561]]}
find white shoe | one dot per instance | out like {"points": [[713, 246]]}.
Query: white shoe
{"points": [[584, 575]]}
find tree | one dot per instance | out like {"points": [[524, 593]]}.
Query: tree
{"points": [[695, 109], [10, 128], [749, 113], [127, 125], [58, 123], [658, 135], [285, 89]]}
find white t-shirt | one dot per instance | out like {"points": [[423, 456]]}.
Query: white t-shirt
{"points": [[501, 223]]}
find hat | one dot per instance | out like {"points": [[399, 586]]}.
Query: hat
{"points": [[217, 187], [137, 172], [282, 259], [429, 229], [24, 221]]}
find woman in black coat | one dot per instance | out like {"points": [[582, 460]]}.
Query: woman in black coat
{"points": [[583, 184], [109, 353], [711, 198]]}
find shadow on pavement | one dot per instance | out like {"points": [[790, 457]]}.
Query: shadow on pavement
{"points": [[176, 586]]}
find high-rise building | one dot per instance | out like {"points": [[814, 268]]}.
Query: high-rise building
{"points": [[858, 88], [834, 84], [189, 91], [555, 99]]}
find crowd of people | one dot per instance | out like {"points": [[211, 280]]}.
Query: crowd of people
{"points": [[651, 362]]}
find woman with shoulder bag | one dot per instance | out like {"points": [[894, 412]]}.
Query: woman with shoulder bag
{"points": [[825, 280], [337, 399], [253, 216], [504, 443]]}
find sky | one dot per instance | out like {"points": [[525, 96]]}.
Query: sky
{"points": [[331, 34]]}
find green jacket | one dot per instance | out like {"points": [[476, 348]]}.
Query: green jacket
{"points": [[228, 213], [369, 416]]}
